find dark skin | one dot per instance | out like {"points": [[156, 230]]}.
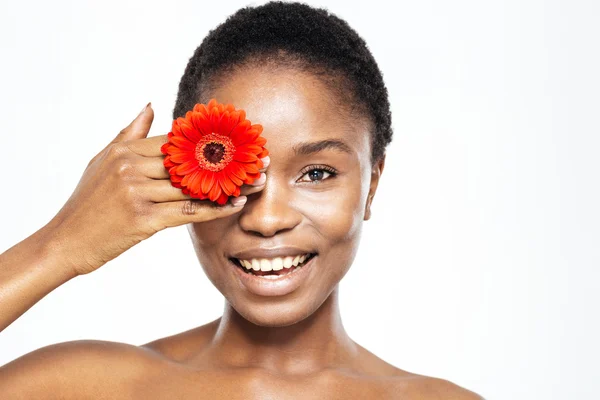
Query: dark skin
{"points": [[279, 347]]}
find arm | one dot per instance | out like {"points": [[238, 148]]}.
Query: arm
{"points": [[29, 271]]}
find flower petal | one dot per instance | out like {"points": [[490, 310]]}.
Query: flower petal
{"points": [[242, 156], [182, 156], [183, 143], [187, 167], [215, 192], [238, 134], [227, 185], [208, 181], [189, 130], [194, 181], [249, 148], [237, 169], [234, 178], [201, 123], [222, 199]]}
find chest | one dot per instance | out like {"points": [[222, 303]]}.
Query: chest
{"points": [[249, 385]]}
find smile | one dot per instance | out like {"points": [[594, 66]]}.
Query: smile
{"points": [[271, 268], [273, 281]]}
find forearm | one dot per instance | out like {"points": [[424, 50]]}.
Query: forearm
{"points": [[29, 271]]}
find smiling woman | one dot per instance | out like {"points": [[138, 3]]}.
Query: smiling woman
{"points": [[278, 259]]}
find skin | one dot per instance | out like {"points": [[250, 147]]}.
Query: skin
{"points": [[281, 347]]}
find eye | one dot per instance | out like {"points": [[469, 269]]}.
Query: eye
{"points": [[315, 173]]}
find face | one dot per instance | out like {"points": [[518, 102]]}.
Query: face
{"points": [[317, 212]]}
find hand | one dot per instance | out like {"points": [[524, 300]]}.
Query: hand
{"points": [[125, 196]]}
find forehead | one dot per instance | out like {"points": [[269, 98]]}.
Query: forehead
{"points": [[293, 107]]}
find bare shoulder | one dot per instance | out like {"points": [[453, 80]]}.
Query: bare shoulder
{"points": [[182, 346], [399, 383], [72, 369], [431, 388]]}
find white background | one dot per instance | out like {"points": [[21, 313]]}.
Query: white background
{"points": [[480, 263]]}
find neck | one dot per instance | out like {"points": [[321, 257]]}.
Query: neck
{"points": [[317, 342]]}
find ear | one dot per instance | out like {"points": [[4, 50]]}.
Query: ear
{"points": [[375, 175]]}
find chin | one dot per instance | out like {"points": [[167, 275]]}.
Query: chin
{"points": [[275, 314]]}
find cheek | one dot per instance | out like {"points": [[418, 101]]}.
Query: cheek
{"points": [[336, 213], [336, 217], [207, 239]]}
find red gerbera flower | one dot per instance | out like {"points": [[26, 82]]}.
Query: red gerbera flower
{"points": [[213, 151]]}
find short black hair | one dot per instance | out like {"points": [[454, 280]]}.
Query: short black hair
{"points": [[293, 34]]}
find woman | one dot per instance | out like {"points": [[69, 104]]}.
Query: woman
{"points": [[311, 82]]}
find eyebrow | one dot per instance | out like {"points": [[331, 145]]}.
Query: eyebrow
{"points": [[307, 148]]}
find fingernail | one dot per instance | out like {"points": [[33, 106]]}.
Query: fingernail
{"points": [[260, 180], [266, 161], [239, 201], [145, 108]]}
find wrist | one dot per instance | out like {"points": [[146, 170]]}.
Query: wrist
{"points": [[51, 248]]}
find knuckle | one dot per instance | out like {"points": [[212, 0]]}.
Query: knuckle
{"points": [[130, 193], [141, 215], [190, 207], [124, 168], [114, 150]]}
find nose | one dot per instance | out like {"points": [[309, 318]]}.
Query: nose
{"points": [[270, 210]]}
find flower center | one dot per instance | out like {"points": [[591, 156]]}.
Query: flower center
{"points": [[214, 152]]}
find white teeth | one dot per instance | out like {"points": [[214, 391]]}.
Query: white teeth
{"points": [[275, 264], [265, 265]]}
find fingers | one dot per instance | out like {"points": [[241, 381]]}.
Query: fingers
{"points": [[172, 208], [138, 128], [161, 191], [148, 147], [175, 213]]}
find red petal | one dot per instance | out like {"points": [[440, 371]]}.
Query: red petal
{"points": [[163, 148], [249, 148], [222, 199], [183, 143], [237, 169], [251, 168], [189, 130], [187, 167], [215, 192], [234, 178], [194, 181], [238, 134], [242, 157], [264, 153], [208, 181], [226, 184], [182, 156], [201, 123]]}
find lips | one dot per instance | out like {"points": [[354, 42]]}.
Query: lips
{"points": [[285, 269], [272, 284]]}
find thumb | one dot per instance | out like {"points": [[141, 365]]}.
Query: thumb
{"points": [[139, 127]]}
